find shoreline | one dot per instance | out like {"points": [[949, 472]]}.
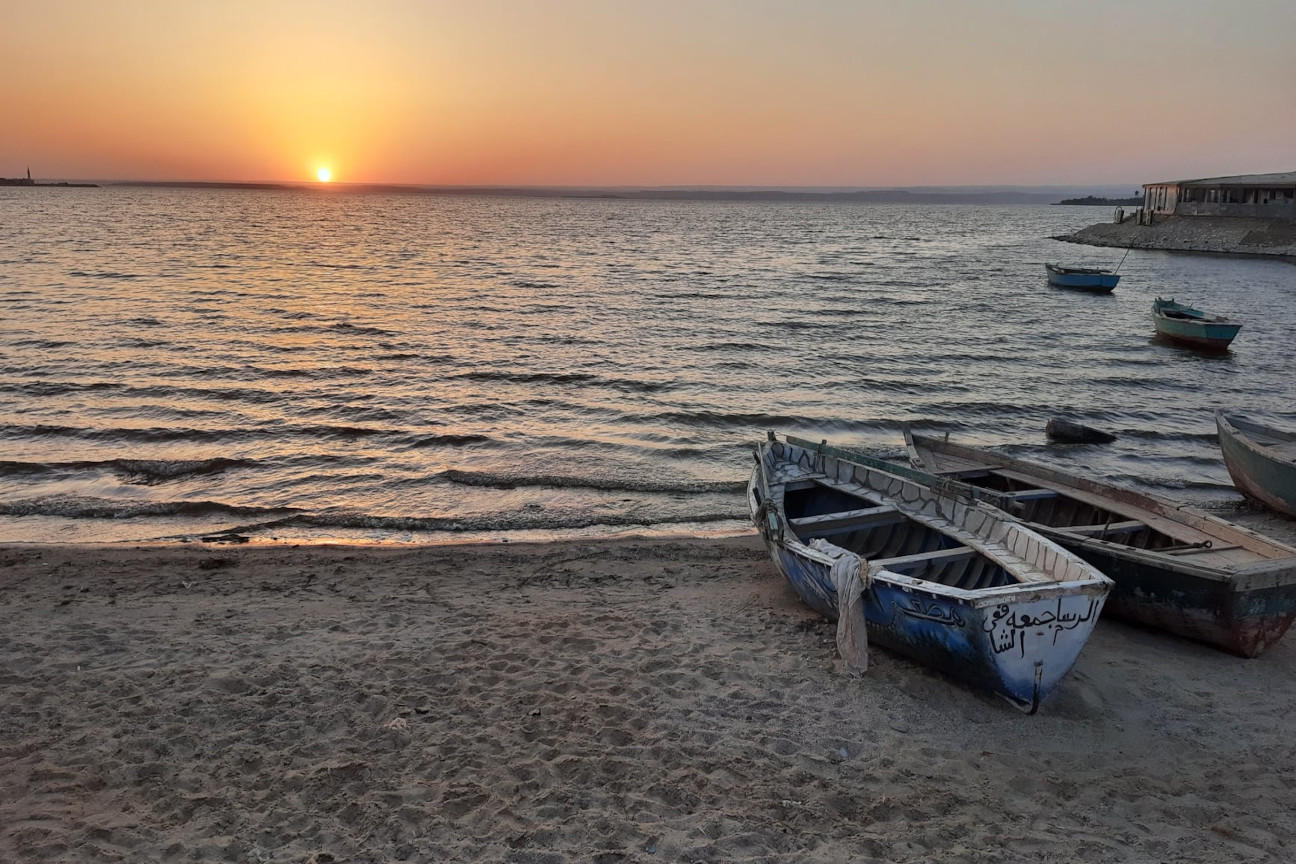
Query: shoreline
{"points": [[619, 700], [1240, 511], [1269, 239]]}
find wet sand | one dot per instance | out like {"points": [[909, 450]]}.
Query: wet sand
{"points": [[608, 701]]}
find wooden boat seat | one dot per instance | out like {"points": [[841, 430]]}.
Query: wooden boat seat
{"points": [[847, 520], [939, 556], [1106, 528]]}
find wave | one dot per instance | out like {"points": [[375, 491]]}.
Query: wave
{"points": [[512, 521], [579, 378], [450, 440], [348, 327], [102, 274], [84, 507], [719, 419], [137, 472], [253, 520], [191, 435], [499, 480], [167, 393], [43, 344]]}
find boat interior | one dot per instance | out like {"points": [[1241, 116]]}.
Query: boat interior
{"points": [[1071, 512], [882, 535], [1274, 440], [1184, 314]]}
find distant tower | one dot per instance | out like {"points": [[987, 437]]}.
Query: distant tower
{"points": [[29, 175]]}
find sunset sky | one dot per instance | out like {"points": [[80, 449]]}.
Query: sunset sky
{"points": [[703, 92]]}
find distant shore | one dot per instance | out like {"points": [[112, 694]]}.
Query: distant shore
{"points": [[1095, 201], [1270, 238], [869, 196], [21, 183]]}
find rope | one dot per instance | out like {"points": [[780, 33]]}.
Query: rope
{"points": [[1123, 257]]}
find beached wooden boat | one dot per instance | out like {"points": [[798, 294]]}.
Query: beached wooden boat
{"points": [[1261, 460], [949, 581], [1193, 327], [1174, 567], [1092, 279]]}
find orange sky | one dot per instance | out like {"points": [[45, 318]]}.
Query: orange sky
{"points": [[741, 92]]}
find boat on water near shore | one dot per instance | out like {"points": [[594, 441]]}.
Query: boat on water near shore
{"points": [[1092, 279], [942, 579], [1188, 326], [1261, 460], [1175, 568]]}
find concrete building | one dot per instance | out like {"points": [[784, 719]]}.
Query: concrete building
{"points": [[1264, 196]]}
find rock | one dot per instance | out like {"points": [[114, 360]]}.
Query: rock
{"points": [[1075, 433]]}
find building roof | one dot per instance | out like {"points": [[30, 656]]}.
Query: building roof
{"points": [[1285, 178]]}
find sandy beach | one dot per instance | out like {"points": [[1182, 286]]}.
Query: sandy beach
{"points": [[625, 700]]}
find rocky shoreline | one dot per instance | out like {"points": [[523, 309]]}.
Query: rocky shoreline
{"points": [[1275, 238]]}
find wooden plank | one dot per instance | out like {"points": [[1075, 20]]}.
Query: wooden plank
{"points": [[848, 518], [939, 483], [1106, 527], [940, 556]]}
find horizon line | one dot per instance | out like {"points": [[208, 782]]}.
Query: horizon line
{"points": [[671, 187]]}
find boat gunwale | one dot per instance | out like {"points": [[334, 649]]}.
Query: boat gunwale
{"points": [[1078, 271], [1238, 425]]}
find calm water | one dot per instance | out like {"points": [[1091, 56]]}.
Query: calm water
{"points": [[312, 366]]}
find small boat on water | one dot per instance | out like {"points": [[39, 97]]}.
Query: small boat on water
{"points": [[1093, 279], [1175, 568], [1261, 460], [1193, 327], [945, 580]]}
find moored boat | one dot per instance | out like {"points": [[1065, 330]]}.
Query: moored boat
{"points": [[1261, 460], [1174, 568], [1093, 279], [948, 581], [1188, 326]]}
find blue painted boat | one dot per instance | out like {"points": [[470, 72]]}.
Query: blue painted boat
{"points": [[1261, 460], [1193, 327], [949, 581], [1175, 568], [1091, 279]]}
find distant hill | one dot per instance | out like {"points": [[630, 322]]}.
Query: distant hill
{"points": [[1093, 201]]}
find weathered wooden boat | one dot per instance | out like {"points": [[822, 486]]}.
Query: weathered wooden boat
{"points": [[1092, 279], [1261, 460], [950, 582], [1174, 567], [1193, 327]]}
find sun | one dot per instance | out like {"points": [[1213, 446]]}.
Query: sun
{"points": [[324, 175]]}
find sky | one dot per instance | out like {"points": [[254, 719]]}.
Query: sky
{"points": [[840, 93]]}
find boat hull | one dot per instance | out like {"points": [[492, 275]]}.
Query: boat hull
{"points": [[1098, 283], [1242, 619], [1243, 608], [1205, 335], [1021, 649], [995, 605], [1258, 475]]}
